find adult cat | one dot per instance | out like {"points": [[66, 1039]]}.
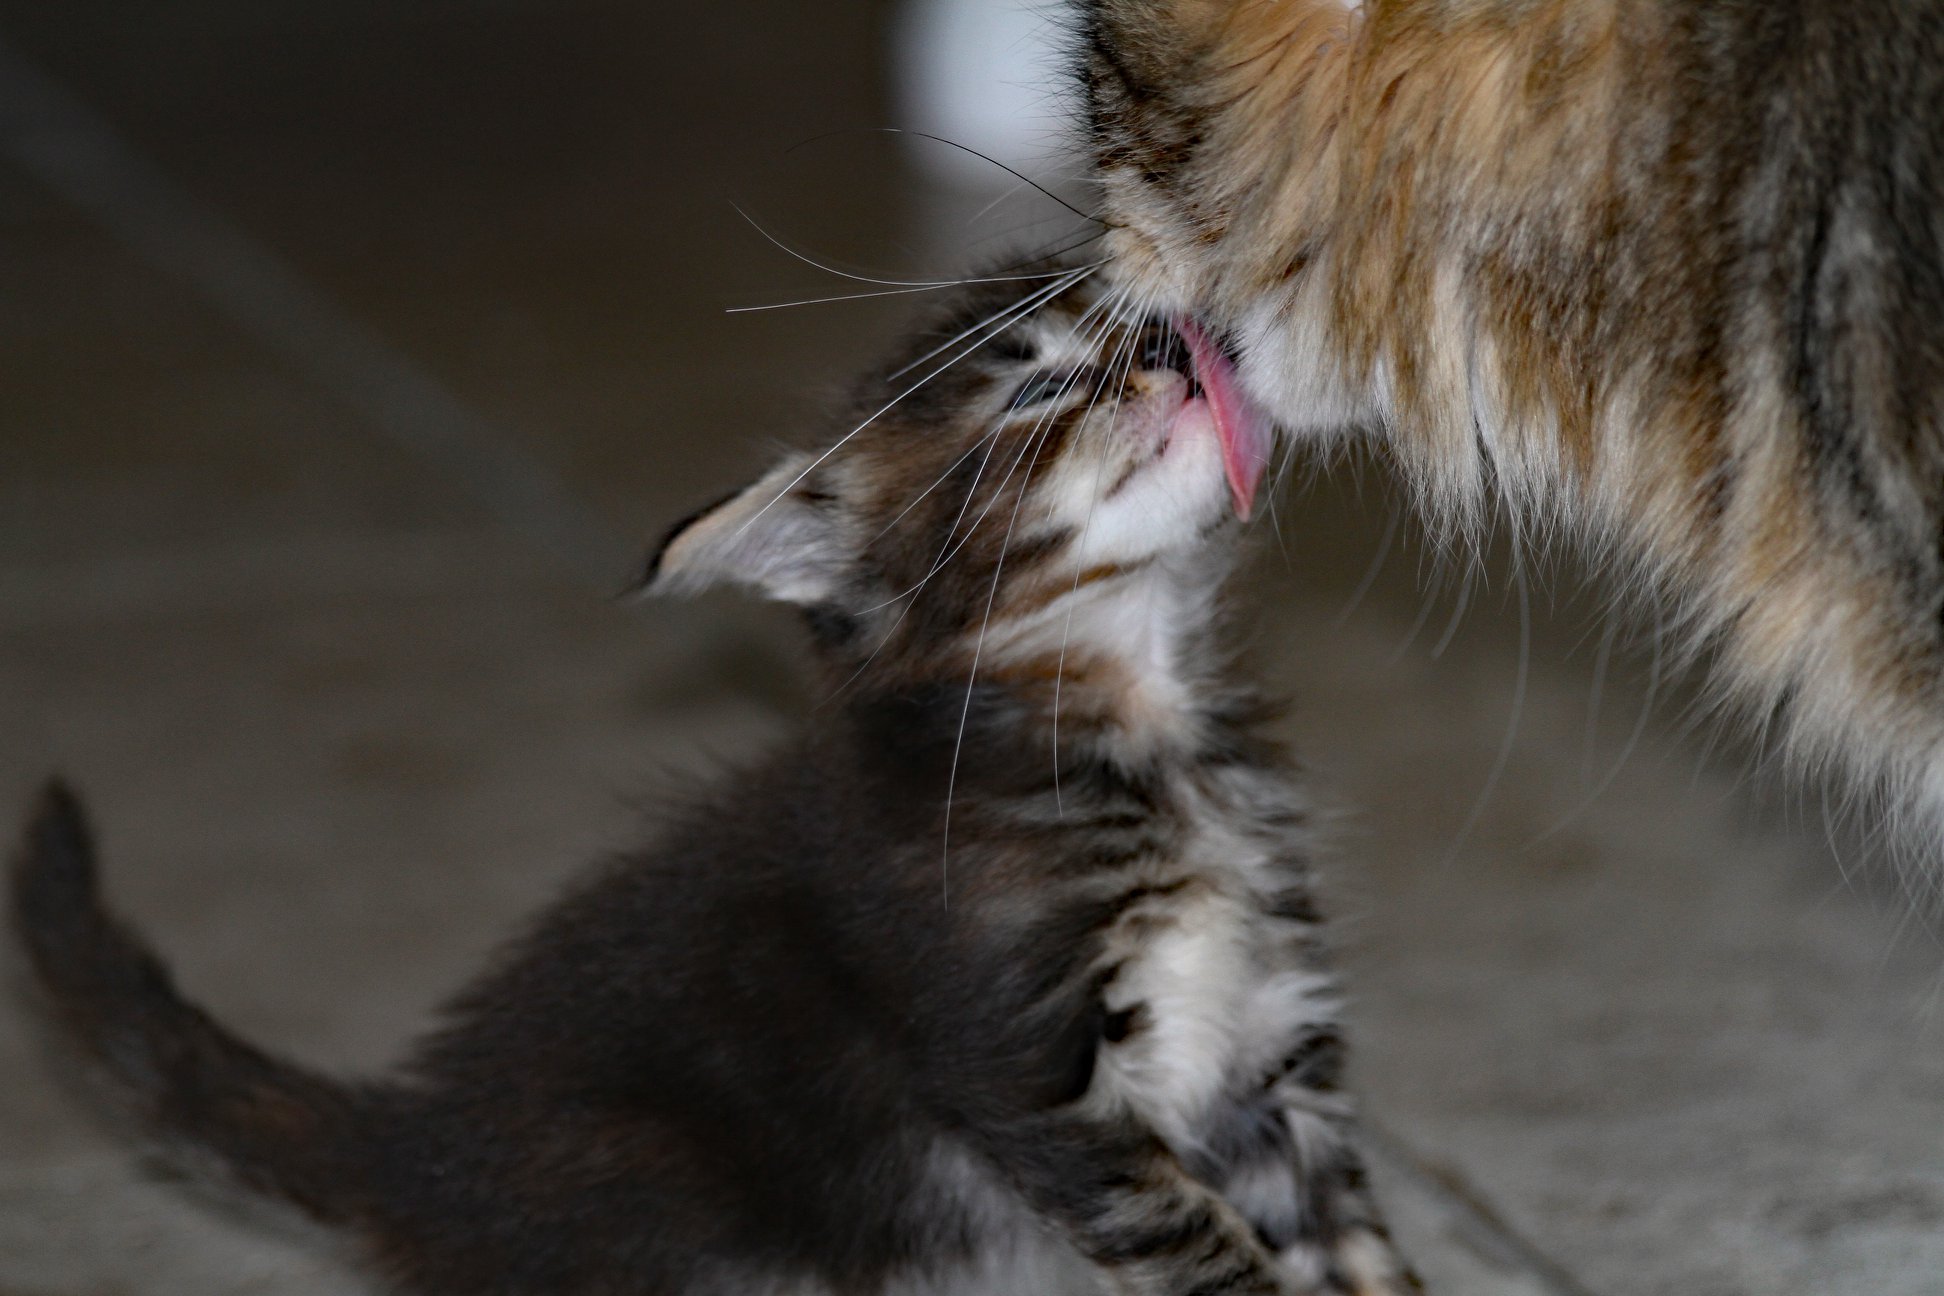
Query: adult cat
{"points": [[1670, 272]]}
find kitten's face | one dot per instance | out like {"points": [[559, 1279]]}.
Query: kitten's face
{"points": [[1036, 459]]}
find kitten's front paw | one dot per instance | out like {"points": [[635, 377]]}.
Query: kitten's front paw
{"points": [[1362, 1262]]}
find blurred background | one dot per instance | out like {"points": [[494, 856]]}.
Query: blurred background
{"points": [[352, 353]]}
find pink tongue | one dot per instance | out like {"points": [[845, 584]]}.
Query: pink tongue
{"points": [[1243, 430]]}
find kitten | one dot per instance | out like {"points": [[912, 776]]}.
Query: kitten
{"points": [[1006, 978], [1669, 272]]}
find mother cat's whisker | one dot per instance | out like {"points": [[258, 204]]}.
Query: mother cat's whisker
{"points": [[1467, 579], [841, 273], [1428, 595], [1276, 525], [1664, 277], [1515, 713], [1014, 172], [1596, 697], [1371, 572]]}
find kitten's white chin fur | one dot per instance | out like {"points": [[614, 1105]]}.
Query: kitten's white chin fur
{"points": [[1169, 501]]}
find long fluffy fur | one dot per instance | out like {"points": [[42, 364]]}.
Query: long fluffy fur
{"points": [[1668, 274]]}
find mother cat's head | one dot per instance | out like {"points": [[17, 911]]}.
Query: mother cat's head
{"points": [[1373, 201], [1213, 128], [1192, 110]]}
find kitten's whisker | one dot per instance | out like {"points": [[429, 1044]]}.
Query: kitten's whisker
{"points": [[839, 297], [1037, 440], [953, 541], [993, 206], [1059, 250], [940, 480], [1129, 346], [952, 549], [909, 597], [997, 429], [1042, 434], [1072, 278], [1003, 320], [904, 291], [1055, 247]]}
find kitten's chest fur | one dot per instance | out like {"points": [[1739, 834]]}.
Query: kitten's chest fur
{"points": [[802, 1016], [1215, 963], [1201, 976]]}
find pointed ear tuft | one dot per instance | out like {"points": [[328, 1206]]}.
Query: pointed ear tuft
{"points": [[772, 537]]}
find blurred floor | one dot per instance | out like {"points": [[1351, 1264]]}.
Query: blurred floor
{"points": [[343, 720]]}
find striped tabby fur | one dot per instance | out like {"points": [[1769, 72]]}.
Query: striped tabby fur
{"points": [[1006, 978]]}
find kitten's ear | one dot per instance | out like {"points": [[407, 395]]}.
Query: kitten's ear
{"points": [[774, 537]]}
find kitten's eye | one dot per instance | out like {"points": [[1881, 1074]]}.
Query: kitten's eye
{"points": [[1043, 388]]}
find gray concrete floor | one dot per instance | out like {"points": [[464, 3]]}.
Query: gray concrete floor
{"points": [[348, 705]]}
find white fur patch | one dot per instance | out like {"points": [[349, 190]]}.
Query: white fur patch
{"points": [[1290, 365], [1221, 1003], [1019, 1251]]}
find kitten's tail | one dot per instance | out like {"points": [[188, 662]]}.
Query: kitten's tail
{"points": [[185, 1081]]}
